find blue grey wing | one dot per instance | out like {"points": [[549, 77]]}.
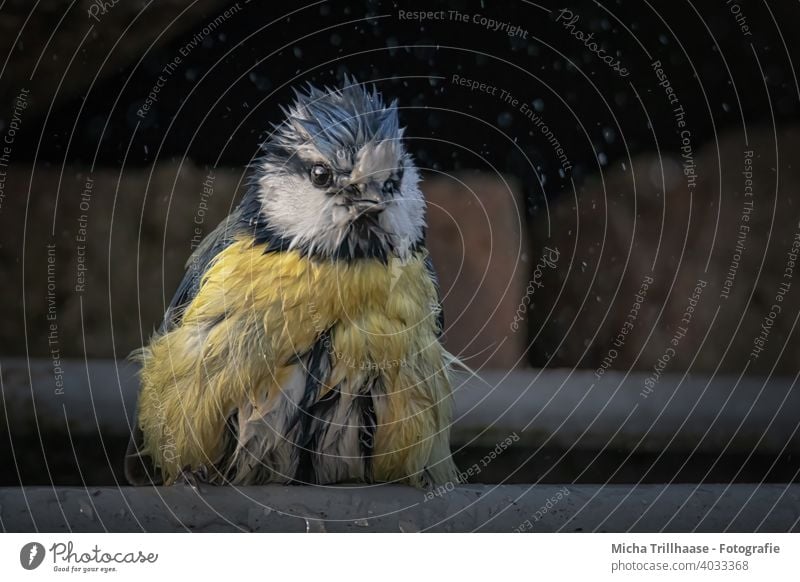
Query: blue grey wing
{"points": [[216, 242], [435, 278], [139, 468]]}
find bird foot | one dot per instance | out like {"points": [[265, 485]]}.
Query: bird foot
{"points": [[193, 477]]}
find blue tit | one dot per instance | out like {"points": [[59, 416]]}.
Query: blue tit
{"points": [[304, 343]]}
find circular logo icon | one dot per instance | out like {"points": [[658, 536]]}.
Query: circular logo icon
{"points": [[31, 555]]}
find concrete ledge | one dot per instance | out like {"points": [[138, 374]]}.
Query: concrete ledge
{"points": [[559, 408], [385, 508]]}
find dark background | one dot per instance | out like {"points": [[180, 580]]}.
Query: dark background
{"points": [[219, 104], [611, 216], [88, 79]]}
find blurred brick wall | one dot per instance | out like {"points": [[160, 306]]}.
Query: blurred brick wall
{"points": [[620, 235], [485, 257], [138, 233]]}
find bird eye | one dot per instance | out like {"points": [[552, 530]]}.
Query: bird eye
{"points": [[321, 175]]}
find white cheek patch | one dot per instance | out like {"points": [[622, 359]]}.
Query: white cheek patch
{"points": [[296, 210], [404, 218]]}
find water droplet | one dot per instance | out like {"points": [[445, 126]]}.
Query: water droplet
{"points": [[86, 509], [315, 525], [407, 526], [361, 522], [260, 81], [256, 516]]}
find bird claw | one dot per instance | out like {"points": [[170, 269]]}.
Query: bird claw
{"points": [[193, 477]]}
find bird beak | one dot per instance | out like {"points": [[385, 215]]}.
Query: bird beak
{"points": [[364, 199]]}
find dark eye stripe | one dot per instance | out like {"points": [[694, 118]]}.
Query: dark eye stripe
{"points": [[391, 186]]}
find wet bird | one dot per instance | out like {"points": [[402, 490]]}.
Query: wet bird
{"points": [[303, 344]]}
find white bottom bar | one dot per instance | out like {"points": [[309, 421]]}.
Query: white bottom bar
{"points": [[401, 557]]}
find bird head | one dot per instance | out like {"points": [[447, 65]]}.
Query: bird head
{"points": [[336, 181]]}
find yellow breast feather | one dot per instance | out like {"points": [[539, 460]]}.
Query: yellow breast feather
{"points": [[256, 313]]}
